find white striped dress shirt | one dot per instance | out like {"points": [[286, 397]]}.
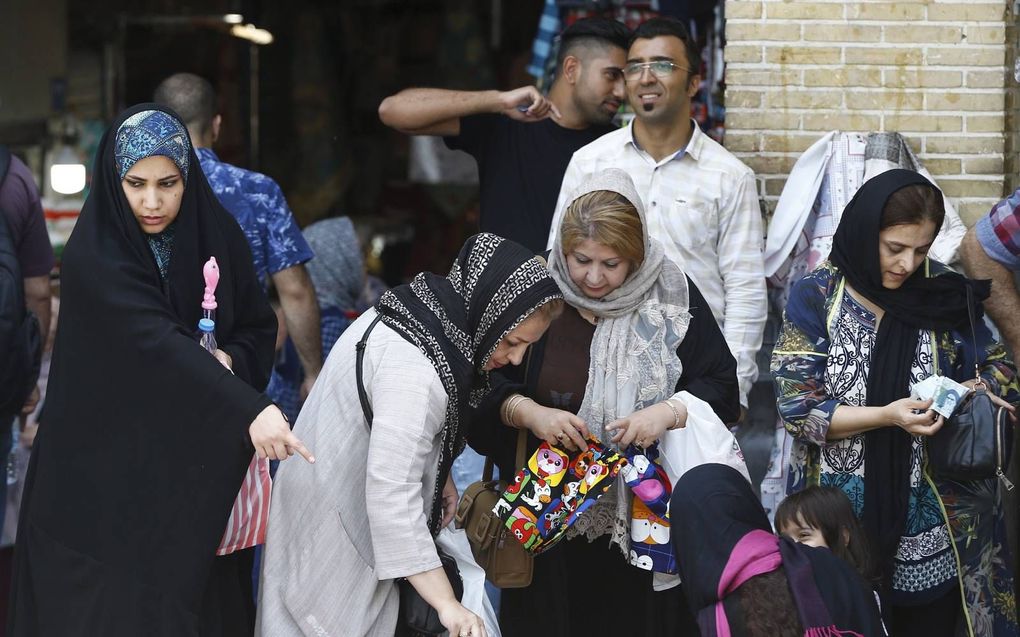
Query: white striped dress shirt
{"points": [[702, 204]]}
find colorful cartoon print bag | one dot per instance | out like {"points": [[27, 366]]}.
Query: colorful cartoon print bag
{"points": [[547, 495], [650, 548]]}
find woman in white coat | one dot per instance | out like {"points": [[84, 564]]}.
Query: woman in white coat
{"points": [[343, 530]]}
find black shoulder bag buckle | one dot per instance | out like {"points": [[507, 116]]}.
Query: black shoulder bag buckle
{"points": [[417, 617]]}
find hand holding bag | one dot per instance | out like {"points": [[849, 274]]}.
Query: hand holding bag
{"points": [[454, 543], [975, 441], [506, 563], [417, 617], [547, 496]]}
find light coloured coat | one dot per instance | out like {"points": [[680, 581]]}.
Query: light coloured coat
{"points": [[341, 530]]}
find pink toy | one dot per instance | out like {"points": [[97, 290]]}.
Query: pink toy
{"points": [[211, 272], [207, 326]]}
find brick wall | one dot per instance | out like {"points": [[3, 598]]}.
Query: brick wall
{"points": [[934, 71]]}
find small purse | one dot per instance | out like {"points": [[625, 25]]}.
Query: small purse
{"points": [[417, 617], [975, 442], [504, 560]]}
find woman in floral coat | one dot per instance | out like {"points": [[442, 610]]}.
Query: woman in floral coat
{"points": [[858, 332]]}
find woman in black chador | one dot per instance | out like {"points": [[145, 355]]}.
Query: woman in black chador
{"points": [[145, 437]]}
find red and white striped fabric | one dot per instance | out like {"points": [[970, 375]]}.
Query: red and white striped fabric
{"points": [[250, 513]]}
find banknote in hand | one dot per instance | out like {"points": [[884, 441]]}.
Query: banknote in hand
{"points": [[945, 393]]}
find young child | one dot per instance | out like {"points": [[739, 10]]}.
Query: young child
{"points": [[824, 517]]}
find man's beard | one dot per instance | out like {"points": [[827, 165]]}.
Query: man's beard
{"points": [[595, 114]]}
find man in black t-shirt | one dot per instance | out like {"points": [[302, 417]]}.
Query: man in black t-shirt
{"points": [[522, 140]]}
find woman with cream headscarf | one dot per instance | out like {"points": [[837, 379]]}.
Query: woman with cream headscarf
{"points": [[635, 333]]}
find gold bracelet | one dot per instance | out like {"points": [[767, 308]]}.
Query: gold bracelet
{"points": [[502, 408], [514, 409], [509, 402], [676, 415], [508, 405]]}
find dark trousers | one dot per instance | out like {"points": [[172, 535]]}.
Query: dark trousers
{"points": [[935, 619], [587, 589], [228, 609]]}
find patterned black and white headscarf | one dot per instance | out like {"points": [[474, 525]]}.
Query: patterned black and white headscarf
{"points": [[458, 320]]}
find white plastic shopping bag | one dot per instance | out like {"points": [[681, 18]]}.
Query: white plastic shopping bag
{"points": [[455, 543], [704, 440]]}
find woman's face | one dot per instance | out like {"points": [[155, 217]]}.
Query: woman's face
{"points": [[511, 349], [154, 188], [803, 533], [902, 249], [596, 269]]}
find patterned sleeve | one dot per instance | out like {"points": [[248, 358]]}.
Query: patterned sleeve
{"points": [[798, 362], [285, 245], [999, 232]]}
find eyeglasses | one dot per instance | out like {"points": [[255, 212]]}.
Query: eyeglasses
{"points": [[659, 68]]}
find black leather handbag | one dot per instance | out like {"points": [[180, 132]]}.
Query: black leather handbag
{"points": [[975, 442], [417, 617]]}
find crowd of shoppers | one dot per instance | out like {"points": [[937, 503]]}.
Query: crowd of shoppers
{"points": [[647, 304]]}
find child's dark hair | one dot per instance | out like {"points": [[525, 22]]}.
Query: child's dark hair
{"points": [[829, 510]]}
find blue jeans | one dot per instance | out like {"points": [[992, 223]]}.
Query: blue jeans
{"points": [[467, 469]]}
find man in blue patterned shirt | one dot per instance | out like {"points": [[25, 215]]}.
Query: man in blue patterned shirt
{"points": [[278, 248]]}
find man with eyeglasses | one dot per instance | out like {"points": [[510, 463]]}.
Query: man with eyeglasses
{"points": [[701, 202], [521, 139]]}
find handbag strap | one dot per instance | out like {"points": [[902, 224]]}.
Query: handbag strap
{"points": [[522, 448], [973, 333], [366, 408]]}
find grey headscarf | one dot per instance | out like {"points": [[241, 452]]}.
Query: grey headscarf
{"points": [[338, 269], [633, 352]]}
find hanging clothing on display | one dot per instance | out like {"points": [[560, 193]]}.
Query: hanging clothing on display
{"points": [[797, 225]]}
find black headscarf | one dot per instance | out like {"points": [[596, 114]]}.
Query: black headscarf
{"points": [[921, 303], [145, 439], [722, 537], [458, 320]]}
